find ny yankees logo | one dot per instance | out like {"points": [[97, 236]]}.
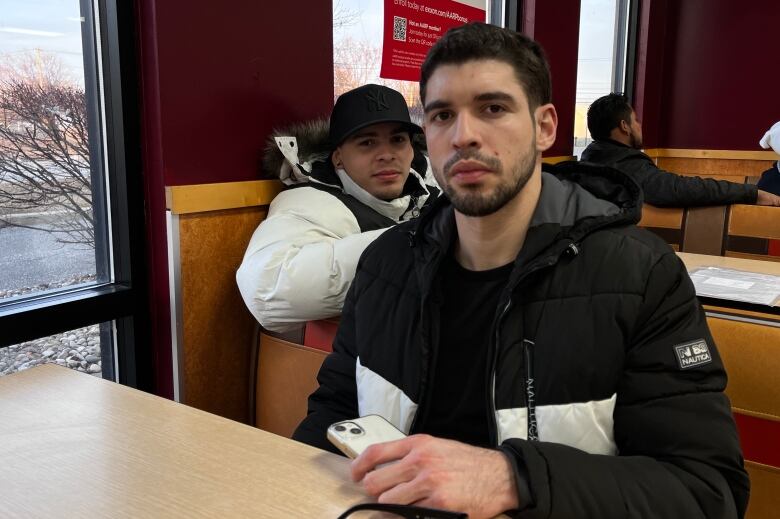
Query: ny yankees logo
{"points": [[376, 101]]}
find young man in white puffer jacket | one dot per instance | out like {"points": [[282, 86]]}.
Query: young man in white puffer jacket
{"points": [[349, 183]]}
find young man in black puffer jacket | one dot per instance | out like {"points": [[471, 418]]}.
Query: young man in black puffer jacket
{"points": [[547, 357]]}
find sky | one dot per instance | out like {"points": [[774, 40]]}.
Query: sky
{"points": [[53, 26]]}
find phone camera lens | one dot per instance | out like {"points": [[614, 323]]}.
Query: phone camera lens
{"points": [[340, 428], [355, 430]]}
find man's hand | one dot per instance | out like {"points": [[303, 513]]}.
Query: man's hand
{"points": [[765, 198], [438, 473]]}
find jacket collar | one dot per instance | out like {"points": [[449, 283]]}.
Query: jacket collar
{"points": [[393, 209], [576, 200]]}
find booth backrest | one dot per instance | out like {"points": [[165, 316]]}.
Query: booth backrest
{"points": [[750, 348], [735, 165], [747, 231], [753, 232], [286, 376], [209, 227]]}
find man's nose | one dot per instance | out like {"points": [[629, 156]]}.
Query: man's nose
{"points": [[465, 134], [385, 152]]}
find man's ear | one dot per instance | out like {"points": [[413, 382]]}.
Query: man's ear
{"points": [[546, 126], [625, 127], [336, 158]]}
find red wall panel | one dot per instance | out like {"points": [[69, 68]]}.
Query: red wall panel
{"points": [[228, 73], [718, 74], [556, 26], [215, 78]]}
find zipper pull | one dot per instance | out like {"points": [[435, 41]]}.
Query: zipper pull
{"points": [[411, 235], [571, 251]]}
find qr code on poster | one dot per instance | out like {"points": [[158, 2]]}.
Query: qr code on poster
{"points": [[399, 28]]}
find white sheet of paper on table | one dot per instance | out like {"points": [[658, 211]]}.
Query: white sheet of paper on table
{"points": [[736, 285]]}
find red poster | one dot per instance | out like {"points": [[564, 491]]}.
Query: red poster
{"points": [[413, 26]]}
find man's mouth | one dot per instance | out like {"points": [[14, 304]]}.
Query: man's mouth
{"points": [[468, 171], [387, 175]]}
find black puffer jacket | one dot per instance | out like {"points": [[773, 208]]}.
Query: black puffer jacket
{"points": [[628, 404], [662, 188]]}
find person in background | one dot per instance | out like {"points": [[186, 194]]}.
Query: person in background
{"points": [[349, 182], [770, 179], [545, 355], [617, 135]]}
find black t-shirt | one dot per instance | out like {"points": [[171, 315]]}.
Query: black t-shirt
{"points": [[458, 404]]}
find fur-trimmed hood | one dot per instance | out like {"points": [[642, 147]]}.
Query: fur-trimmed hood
{"points": [[291, 152]]}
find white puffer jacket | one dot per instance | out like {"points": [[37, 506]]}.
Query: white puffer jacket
{"points": [[303, 256]]}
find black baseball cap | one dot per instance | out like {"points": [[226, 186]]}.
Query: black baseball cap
{"points": [[367, 105]]}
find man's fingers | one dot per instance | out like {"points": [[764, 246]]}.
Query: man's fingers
{"points": [[378, 454], [405, 493], [384, 478]]}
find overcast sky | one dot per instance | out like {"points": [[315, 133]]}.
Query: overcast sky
{"points": [[53, 26]]}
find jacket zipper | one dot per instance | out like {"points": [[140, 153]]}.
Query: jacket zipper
{"points": [[527, 354], [494, 421]]}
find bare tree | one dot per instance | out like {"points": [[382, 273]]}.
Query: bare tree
{"points": [[343, 16], [44, 158], [357, 62]]}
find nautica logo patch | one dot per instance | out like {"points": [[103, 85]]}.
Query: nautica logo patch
{"points": [[692, 354]]}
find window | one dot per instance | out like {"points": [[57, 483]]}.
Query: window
{"points": [[357, 45], [71, 217], [357, 51], [602, 65]]}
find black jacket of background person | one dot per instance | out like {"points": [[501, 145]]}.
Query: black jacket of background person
{"points": [[606, 304], [662, 188], [770, 179]]}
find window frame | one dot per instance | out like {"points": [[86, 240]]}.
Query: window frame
{"points": [[122, 299]]}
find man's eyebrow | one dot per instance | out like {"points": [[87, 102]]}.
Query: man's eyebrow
{"points": [[486, 96], [495, 96], [435, 105], [361, 134]]}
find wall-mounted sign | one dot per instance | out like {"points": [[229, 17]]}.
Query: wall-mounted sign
{"points": [[413, 26]]}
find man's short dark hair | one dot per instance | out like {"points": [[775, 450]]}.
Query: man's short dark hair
{"points": [[606, 113], [479, 41]]}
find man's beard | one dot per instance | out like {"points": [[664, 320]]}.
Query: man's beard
{"points": [[636, 142], [470, 201]]}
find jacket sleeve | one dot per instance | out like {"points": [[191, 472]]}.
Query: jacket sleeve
{"points": [[679, 453], [664, 189], [301, 259], [336, 397]]}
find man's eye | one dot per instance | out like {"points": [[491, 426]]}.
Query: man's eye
{"points": [[367, 142], [494, 109], [440, 116], [400, 139]]}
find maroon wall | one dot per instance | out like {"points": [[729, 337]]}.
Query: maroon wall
{"points": [[215, 78], [712, 77], [556, 26]]}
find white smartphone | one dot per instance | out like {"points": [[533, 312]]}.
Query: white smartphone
{"points": [[354, 436]]}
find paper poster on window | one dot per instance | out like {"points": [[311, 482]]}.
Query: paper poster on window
{"points": [[413, 26]]}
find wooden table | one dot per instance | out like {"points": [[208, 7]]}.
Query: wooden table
{"points": [[72, 445]]}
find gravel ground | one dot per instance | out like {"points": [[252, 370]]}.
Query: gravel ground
{"points": [[77, 349]]}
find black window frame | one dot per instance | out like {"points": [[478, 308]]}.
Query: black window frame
{"points": [[123, 299]]}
